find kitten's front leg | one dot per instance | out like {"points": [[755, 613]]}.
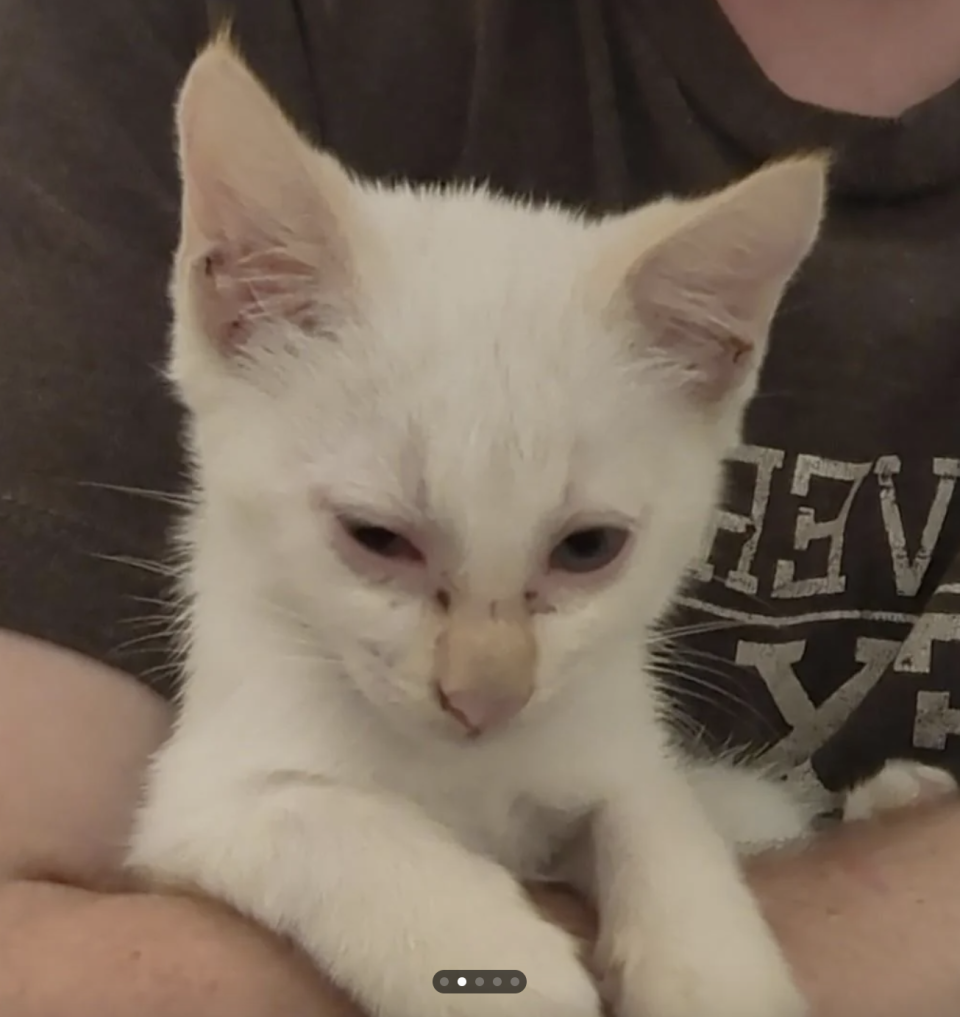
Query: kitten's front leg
{"points": [[680, 932], [377, 894]]}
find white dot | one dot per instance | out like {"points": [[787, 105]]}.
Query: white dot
{"points": [[461, 980]]}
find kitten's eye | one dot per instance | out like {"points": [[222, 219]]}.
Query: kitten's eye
{"points": [[380, 541], [588, 550]]}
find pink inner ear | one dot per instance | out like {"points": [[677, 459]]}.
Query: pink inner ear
{"points": [[264, 215], [706, 293], [710, 360], [705, 322], [239, 288]]}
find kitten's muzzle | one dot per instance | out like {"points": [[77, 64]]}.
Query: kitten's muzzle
{"points": [[485, 666]]}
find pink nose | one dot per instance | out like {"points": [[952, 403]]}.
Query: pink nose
{"points": [[478, 710]]}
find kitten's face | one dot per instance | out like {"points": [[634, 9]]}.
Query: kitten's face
{"points": [[475, 474], [471, 446]]}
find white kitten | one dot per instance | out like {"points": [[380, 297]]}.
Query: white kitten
{"points": [[452, 457]]}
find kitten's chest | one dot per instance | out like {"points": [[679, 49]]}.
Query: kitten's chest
{"points": [[519, 831], [503, 807]]}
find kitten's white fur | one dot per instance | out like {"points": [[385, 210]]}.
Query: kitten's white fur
{"points": [[481, 373]]}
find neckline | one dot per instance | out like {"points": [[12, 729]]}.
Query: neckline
{"points": [[873, 157]]}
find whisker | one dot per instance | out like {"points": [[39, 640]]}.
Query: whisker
{"points": [[166, 669], [727, 708], [701, 689], [165, 497], [728, 673], [173, 602], [674, 658], [144, 643], [167, 571], [667, 632]]}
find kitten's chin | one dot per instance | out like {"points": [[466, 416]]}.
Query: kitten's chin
{"points": [[454, 733], [410, 717], [424, 724]]}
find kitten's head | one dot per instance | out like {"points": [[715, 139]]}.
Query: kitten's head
{"points": [[472, 445]]}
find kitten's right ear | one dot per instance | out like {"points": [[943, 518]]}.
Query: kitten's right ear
{"points": [[264, 217]]}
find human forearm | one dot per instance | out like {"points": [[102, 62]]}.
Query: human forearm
{"points": [[869, 915], [66, 952], [75, 737]]}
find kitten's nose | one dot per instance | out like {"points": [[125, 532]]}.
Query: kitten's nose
{"points": [[485, 665], [479, 710]]}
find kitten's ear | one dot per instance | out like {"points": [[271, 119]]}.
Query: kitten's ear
{"points": [[264, 214], [705, 292]]}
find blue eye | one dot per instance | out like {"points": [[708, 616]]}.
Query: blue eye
{"points": [[588, 550], [381, 542]]}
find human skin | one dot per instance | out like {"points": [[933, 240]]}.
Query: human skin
{"points": [[872, 57]]}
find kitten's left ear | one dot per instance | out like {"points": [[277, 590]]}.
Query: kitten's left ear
{"points": [[703, 294], [264, 216]]}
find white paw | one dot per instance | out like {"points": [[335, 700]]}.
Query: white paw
{"points": [[701, 975], [558, 984], [901, 783]]}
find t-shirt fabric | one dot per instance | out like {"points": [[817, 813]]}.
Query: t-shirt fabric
{"points": [[822, 623]]}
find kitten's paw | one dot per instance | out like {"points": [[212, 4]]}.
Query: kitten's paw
{"points": [[901, 783], [699, 974], [558, 984]]}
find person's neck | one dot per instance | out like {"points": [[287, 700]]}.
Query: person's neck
{"points": [[874, 57]]}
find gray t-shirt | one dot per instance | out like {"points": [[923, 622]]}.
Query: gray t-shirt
{"points": [[824, 619]]}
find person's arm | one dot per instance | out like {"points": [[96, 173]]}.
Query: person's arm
{"points": [[68, 952], [74, 739], [869, 915]]}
